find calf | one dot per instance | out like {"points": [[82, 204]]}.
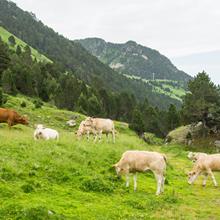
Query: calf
{"points": [[205, 165], [101, 125], [45, 133], [11, 117], [141, 161], [194, 156], [84, 129]]}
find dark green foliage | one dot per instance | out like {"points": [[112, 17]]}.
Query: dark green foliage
{"points": [[97, 184], [137, 122], [4, 57], [38, 103], [7, 81], [173, 117], [1, 97], [23, 104], [18, 50], [11, 40], [203, 99]]}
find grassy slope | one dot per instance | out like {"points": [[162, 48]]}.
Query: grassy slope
{"points": [[74, 179], [175, 91], [35, 54]]}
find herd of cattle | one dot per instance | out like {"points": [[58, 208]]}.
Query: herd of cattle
{"points": [[131, 162]]}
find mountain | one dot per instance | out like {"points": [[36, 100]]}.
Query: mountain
{"points": [[194, 63], [4, 34], [74, 58], [134, 59]]}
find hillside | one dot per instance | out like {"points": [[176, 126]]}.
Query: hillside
{"points": [[4, 34], [72, 179], [134, 59], [72, 57]]}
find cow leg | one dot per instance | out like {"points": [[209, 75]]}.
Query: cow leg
{"points": [[113, 136], [127, 180], [100, 136], [162, 184], [213, 177], [107, 136], [205, 179], [96, 135], [159, 181], [135, 181], [9, 124], [87, 136]]}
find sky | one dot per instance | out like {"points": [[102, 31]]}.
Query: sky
{"points": [[176, 28]]}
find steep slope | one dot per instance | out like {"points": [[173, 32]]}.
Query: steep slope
{"points": [[4, 34], [134, 59]]}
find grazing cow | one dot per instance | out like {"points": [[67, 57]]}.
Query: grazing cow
{"points": [[11, 117], [101, 125], [84, 129], [45, 133], [194, 156], [141, 161], [205, 165]]}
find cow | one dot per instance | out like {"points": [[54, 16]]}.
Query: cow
{"points": [[140, 161], [101, 125], [194, 156], [45, 133], [205, 165], [12, 118], [84, 129]]}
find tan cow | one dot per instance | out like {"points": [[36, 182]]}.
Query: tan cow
{"points": [[205, 165], [101, 125], [194, 156], [141, 161]]}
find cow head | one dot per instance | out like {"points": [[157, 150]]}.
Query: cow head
{"points": [[192, 175], [23, 120], [119, 169]]}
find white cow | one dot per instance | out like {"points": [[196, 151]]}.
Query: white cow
{"points": [[205, 165], [101, 125], [141, 161], [45, 133]]}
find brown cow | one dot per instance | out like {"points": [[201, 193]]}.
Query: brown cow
{"points": [[12, 117]]}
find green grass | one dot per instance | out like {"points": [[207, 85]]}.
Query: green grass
{"points": [[4, 34], [160, 86], [73, 179]]}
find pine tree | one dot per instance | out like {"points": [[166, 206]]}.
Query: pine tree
{"points": [[4, 57], [8, 84], [137, 122], [18, 50], [12, 41]]}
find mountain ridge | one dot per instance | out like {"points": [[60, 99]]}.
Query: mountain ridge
{"points": [[134, 59]]}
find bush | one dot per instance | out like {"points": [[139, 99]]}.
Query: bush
{"points": [[23, 104], [97, 184], [38, 103]]}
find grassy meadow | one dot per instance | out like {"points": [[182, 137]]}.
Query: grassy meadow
{"points": [[72, 179]]}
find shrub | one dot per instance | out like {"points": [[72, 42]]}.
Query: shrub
{"points": [[97, 184], [23, 104], [37, 103]]}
